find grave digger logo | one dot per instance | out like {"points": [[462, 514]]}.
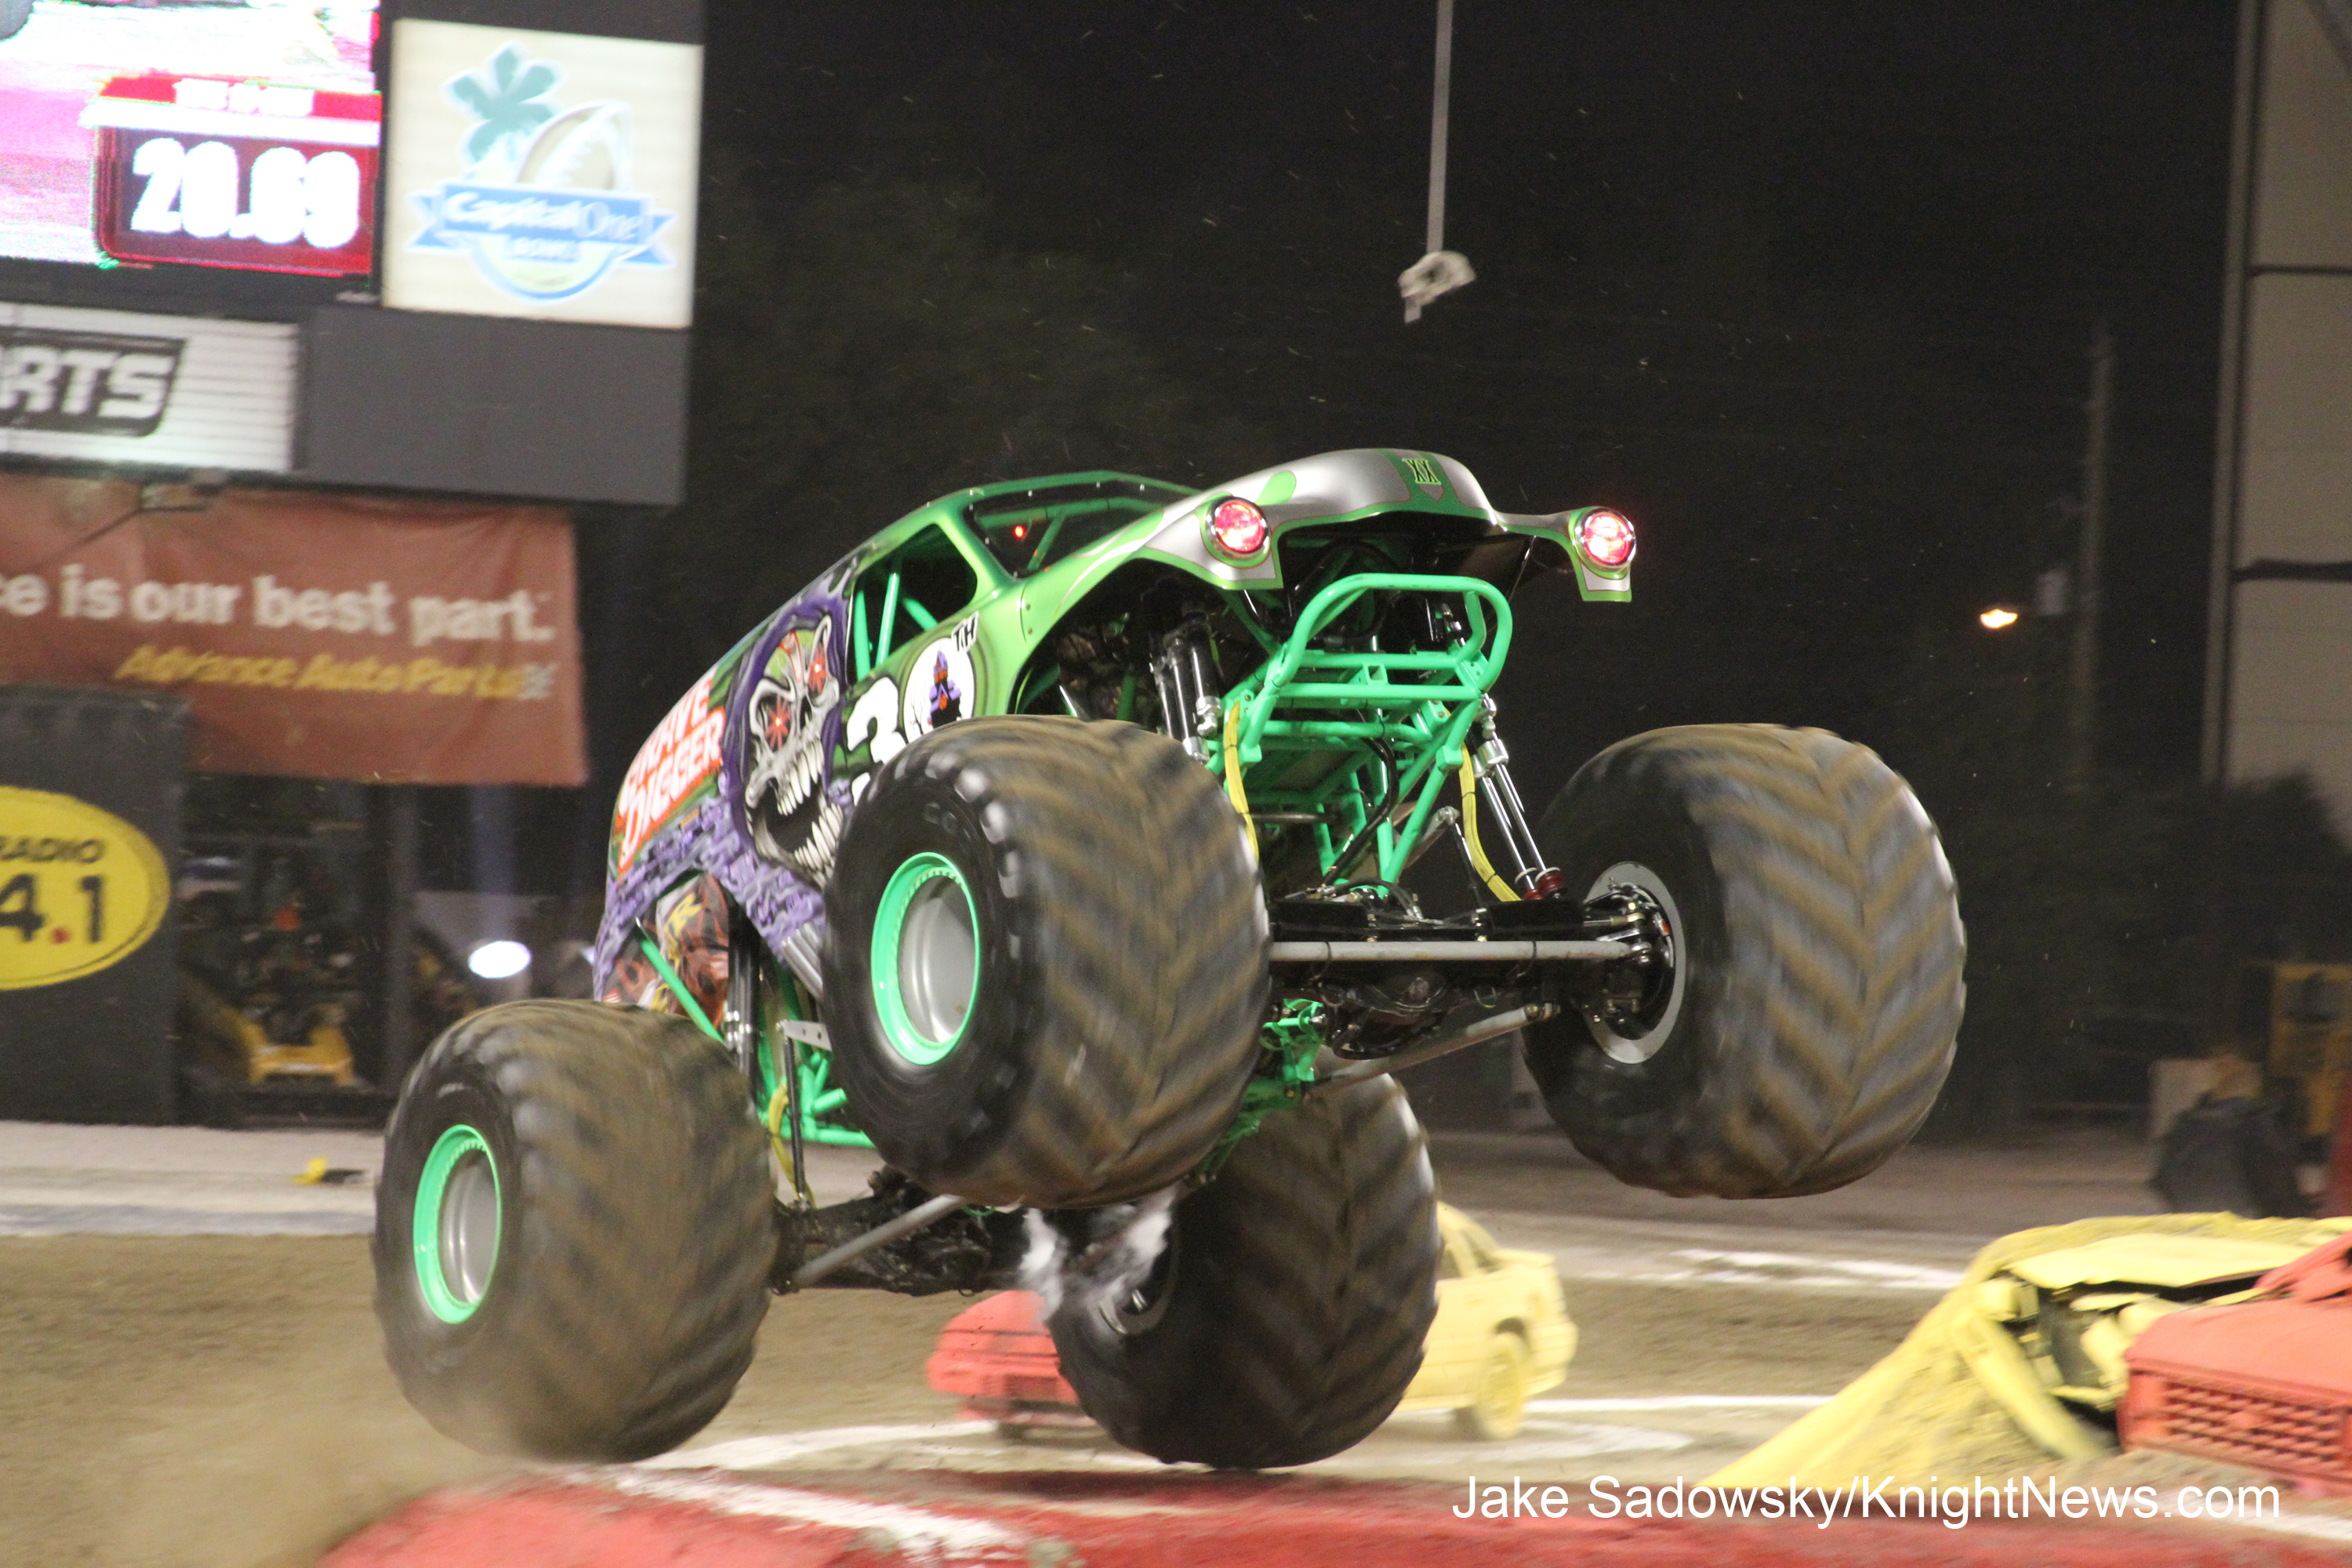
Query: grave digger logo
{"points": [[544, 207], [677, 761]]}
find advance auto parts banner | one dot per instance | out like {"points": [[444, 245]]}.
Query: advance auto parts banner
{"points": [[322, 637]]}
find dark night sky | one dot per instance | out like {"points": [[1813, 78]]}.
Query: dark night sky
{"points": [[1805, 288]]}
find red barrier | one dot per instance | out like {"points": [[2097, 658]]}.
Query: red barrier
{"points": [[998, 1356], [635, 1518], [2265, 1383]]}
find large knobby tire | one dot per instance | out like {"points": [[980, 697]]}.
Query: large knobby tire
{"points": [[13, 15], [1045, 961], [1282, 1316], [1816, 989], [573, 1232]]}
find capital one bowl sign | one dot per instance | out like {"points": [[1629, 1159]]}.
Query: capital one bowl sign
{"points": [[541, 174]]}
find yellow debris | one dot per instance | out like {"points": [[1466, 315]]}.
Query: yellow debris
{"points": [[1961, 1396], [2148, 1259]]}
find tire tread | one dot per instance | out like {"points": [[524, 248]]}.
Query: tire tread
{"points": [[1144, 937], [1314, 1259], [1847, 985], [644, 1241]]}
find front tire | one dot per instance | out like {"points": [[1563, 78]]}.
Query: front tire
{"points": [[1046, 962], [573, 1232], [1815, 990], [1498, 1403], [1282, 1314]]}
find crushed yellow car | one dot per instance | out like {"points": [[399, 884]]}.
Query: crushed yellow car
{"points": [[1502, 1334], [2023, 1362]]}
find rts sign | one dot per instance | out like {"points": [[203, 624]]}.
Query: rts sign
{"points": [[93, 382], [160, 391]]}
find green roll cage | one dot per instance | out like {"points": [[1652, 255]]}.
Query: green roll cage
{"points": [[1355, 743]]}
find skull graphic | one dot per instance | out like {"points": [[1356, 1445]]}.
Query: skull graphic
{"points": [[791, 815]]}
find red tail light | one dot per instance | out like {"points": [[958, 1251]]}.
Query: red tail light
{"points": [[1606, 539], [1238, 527]]}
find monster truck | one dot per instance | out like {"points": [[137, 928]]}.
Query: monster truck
{"points": [[1056, 841]]}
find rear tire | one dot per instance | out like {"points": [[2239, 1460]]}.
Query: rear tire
{"points": [[573, 1232], [1284, 1314], [1046, 962], [13, 15], [1816, 987]]}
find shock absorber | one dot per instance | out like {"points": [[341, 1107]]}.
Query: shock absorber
{"points": [[1511, 842], [1186, 681]]}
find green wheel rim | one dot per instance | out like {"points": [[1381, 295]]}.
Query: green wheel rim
{"points": [[454, 1227], [926, 958]]}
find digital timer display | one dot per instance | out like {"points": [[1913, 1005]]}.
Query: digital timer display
{"points": [[235, 174]]}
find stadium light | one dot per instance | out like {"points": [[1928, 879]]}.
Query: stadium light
{"points": [[499, 960]]}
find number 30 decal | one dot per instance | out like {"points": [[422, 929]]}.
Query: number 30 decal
{"points": [[873, 719], [943, 686]]}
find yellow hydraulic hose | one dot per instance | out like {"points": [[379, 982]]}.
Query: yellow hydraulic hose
{"points": [[779, 1104], [1485, 867], [1234, 791], [775, 1119]]}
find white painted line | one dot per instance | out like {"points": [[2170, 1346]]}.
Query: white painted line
{"points": [[1750, 1279], [1682, 1268], [915, 1532], [1682, 1402], [1116, 1510], [1045, 1456], [2318, 1526], [772, 1453], [1107, 1456], [1746, 1267], [946, 1439], [1587, 1442], [135, 1219]]}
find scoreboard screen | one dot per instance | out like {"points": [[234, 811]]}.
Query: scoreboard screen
{"points": [[240, 135]]}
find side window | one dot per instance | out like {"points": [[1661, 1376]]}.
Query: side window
{"points": [[1028, 530], [905, 594]]}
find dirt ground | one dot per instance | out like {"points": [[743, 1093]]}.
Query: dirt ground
{"points": [[187, 1402], [220, 1400]]}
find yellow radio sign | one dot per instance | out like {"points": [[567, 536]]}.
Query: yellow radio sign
{"points": [[80, 889]]}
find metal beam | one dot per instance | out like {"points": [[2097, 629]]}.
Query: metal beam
{"points": [[857, 1246], [399, 938], [1439, 952], [2219, 598], [1484, 1029]]}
